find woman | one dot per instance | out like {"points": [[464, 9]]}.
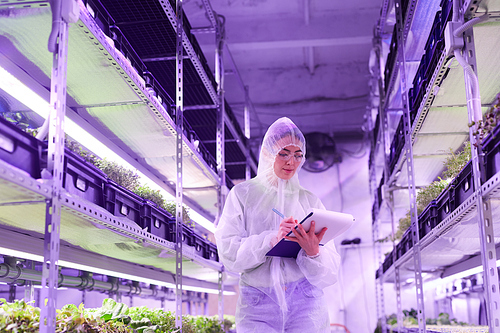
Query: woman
{"points": [[276, 294]]}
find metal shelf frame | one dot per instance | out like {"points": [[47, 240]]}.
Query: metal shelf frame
{"points": [[476, 217], [62, 207]]}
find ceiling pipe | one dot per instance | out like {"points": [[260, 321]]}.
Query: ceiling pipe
{"points": [[308, 50]]}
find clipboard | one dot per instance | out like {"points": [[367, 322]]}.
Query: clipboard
{"points": [[337, 223]]}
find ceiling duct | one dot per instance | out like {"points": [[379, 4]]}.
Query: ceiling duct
{"points": [[321, 152]]}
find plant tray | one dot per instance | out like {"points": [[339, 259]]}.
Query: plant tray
{"points": [[491, 150], [397, 146], [445, 204], [200, 244], [122, 202], [19, 149], [158, 221], [428, 219], [80, 178], [405, 244], [187, 234], [211, 252], [463, 185], [389, 260]]}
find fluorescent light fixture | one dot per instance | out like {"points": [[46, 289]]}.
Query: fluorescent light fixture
{"points": [[115, 274], [460, 275], [18, 90], [69, 264], [198, 218], [20, 254]]}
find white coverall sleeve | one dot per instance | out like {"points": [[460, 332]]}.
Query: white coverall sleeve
{"points": [[321, 271], [237, 250]]}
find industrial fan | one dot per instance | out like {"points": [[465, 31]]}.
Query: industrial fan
{"points": [[321, 152]]}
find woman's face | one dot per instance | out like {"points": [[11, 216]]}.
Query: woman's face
{"points": [[287, 161]]}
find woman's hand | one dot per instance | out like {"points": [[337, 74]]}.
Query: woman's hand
{"points": [[309, 241], [286, 226]]}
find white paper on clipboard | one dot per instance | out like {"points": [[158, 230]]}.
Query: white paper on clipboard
{"points": [[335, 222]]}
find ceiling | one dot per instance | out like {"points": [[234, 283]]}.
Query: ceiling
{"points": [[304, 59]]}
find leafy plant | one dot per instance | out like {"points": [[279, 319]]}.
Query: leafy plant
{"points": [[75, 319], [126, 178], [455, 162], [404, 224], [489, 121], [428, 193], [170, 206], [119, 174], [18, 316], [149, 194], [78, 149], [112, 310]]}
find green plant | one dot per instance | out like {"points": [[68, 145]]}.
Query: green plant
{"points": [[149, 194], [489, 121], [171, 207], [18, 316], [404, 224], [428, 193], [455, 162], [122, 176], [75, 319], [78, 149]]}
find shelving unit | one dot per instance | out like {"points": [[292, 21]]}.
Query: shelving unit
{"points": [[120, 92], [438, 118]]}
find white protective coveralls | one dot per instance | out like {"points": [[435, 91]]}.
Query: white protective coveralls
{"points": [[276, 294]]}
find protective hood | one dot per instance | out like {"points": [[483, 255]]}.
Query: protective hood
{"points": [[283, 132]]}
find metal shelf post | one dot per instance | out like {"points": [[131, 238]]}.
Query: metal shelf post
{"points": [[179, 120], [221, 151], [485, 221], [55, 159], [401, 28]]}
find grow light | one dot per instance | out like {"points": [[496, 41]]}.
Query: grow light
{"points": [[107, 272]]}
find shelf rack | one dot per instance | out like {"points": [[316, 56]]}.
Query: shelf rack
{"points": [[86, 227], [456, 243], [127, 106]]}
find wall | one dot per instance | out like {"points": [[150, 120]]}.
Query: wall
{"points": [[345, 188]]}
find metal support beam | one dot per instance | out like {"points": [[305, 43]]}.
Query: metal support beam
{"points": [[401, 30], [221, 295], [485, 222], [58, 45], [246, 114], [383, 126], [200, 107], [221, 114], [179, 120], [220, 37]]}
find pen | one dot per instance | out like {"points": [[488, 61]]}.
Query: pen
{"points": [[277, 212]]}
